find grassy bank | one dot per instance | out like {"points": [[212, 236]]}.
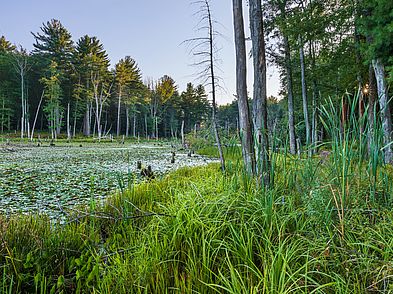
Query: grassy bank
{"points": [[324, 226], [200, 231]]}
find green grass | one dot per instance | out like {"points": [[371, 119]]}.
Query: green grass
{"points": [[199, 231], [326, 226]]}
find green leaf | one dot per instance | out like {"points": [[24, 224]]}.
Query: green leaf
{"points": [[60, 281]]}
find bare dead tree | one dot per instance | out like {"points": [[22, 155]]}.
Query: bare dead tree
{"points": [[22, 67], [36, 115], [102, 92], [204, 48]]}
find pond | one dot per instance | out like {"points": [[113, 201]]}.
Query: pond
{"points": [[51, 179]]}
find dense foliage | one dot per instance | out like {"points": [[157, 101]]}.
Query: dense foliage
{"points": [[321, 222]]}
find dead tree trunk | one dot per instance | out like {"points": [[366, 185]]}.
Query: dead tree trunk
{"points": [[36, 116], [213, 84]]}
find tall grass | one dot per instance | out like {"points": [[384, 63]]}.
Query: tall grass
{"points": [[325, 226]]}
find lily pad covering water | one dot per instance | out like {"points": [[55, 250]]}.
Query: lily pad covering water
{"points": [[51, 179]]}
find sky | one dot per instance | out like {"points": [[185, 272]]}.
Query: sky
{"points": [[150, 31]]}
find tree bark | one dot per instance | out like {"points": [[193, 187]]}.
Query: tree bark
{"points": [[241, 89], [384, 109], [22, 128], [75, 115], [127, 122], [291, 112], [68, 122], [371, 115], [86, 121], [147, 134], [260, 96], [2, 115], [183, 142], [213, 84], [58, 119], [118, 114], [134, 126], [36, 116], [156, 123], [304, 92], [314, 119]]}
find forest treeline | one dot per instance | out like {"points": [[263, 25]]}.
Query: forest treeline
{"points": [[321, 48], [68, 87]]}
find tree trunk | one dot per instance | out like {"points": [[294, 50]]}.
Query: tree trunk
{"points": [[260, 96], [22, 125], [36, 115], [291, 112], [75, 115], [314, 120], [86, 121], [53, 124], [371, 115], [57, 120], [196, 130], [147, 134], [134, 126], [156, 123], [183, 142], [241, 89], [384, 109], [2, 115], [213, 84], [304, 92], [118, 113], [127, 122], [68, 122], [27, 116]]}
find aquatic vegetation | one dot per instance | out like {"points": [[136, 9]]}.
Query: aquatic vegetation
{"points": [[51, 179]]}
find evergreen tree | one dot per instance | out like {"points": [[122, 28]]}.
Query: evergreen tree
{"points": [[128, 77], [53, 93], [90, 61], [54, 44]]}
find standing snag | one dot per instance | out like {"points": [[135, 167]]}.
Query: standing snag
{"points": [[205, 49]]}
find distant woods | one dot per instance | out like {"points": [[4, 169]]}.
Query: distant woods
{"points": [[68, 88], [323, 51]]}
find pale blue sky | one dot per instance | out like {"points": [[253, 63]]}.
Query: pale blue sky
{"points": [[150, 31]]}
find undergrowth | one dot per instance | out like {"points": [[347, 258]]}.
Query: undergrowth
{"points": [[200, 231], [324, 227]]}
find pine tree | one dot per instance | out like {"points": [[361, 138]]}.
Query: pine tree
{"points": [[127, 76], [90, 61]]}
